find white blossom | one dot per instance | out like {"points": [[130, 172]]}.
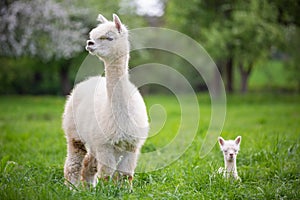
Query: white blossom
{"points": [[42, 28]]}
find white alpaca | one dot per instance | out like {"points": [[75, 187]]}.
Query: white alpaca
{"points": [[105, 119], [230, 149]]}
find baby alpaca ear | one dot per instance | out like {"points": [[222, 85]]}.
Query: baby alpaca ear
{"points": [[221, 141], [238, 140], [101, 19], [118, 22]]}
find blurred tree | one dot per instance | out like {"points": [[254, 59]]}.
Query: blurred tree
{"points": [[293, 50], [51, 33], [45, 29], [203, 20], [41, 28], [289, 17], [236, 33], [254, 32]]}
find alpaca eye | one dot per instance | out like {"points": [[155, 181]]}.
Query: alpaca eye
{"points": [[106, 38]]}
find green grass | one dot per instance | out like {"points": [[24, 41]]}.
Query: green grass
{"points": [[32, 152]]}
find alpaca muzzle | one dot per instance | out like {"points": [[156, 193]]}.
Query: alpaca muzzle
{"points": [[90, 45]]}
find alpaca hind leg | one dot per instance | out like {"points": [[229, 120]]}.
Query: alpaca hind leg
{"points": [[73, 164], [89, 169]]}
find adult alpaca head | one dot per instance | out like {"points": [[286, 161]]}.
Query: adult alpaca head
{"points": [[109, 40]]}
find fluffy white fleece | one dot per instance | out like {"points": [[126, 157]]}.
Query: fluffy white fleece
{"points": [[105, 119]]}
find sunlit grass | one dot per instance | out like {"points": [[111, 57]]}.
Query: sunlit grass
{"points": [[33, 151]]}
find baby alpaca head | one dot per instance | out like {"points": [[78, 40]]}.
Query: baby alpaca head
{"points": [[230, 148], [109, 40]]}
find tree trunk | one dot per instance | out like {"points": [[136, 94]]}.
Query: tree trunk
{"points": [[64, 77], [216, 83], [229, 74], [244, 83], [245, 73]]}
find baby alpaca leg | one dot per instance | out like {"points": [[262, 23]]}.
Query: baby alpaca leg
{"points": [[72, 168], [89, 169]]}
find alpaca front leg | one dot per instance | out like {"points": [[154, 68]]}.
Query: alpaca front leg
{"points": [[105, 172], [238, 179], [127, 165], [73, 164], [106, 163], [72, 170], [236, 176]]}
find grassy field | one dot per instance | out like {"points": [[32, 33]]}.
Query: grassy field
{"points": [[32, 152]]}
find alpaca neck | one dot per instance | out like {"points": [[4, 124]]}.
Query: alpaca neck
{"points": [[117, 79]]}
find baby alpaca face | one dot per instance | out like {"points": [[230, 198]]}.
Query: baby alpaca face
{"points": [[106, 38], [230, 148]]}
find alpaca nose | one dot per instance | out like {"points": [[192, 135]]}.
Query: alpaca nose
{"points": [[231, 154], [90, 43]]}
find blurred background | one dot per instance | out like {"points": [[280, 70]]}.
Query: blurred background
{"points": [[255, 44]]}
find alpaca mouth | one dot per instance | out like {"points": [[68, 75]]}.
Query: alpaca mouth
{"points": [[89, 48], [230, 159]]}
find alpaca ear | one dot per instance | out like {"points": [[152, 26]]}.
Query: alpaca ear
{"points": [[238, 140], [101, 19], [221, 141], [118, 22]]}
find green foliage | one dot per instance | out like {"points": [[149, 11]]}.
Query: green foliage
{"points": [[272, 75], [250, 32], [254, 31], [146, 56], [243, 31], [28, 76], [293, 49], [246, 29], [52, 48], [33, 150], [107, 8]]}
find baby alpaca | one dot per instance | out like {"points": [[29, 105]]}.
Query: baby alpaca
{"points": [[105, 119], [230, 150]]}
